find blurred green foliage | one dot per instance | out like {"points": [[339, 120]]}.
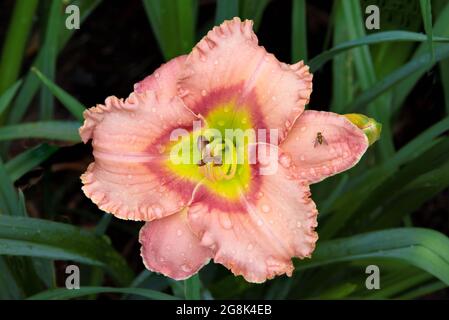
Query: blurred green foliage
{"points": [[365, 213]]}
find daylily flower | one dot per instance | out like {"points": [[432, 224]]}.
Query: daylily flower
{"points": [[212, 209]]}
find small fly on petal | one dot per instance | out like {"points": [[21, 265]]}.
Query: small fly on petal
{"points": [[319, 140]]}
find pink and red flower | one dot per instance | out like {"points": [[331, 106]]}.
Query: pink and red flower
{"points": [[251, 223]]}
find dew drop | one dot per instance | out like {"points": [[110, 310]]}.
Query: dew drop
{"points": [[157, 211], [157, 74], [130, 176], [265, 208], [179, 233], [225, 221], [259, 195], [244, 120], [186, 268], [250, 247], [302, 158], [273, 98], [153, 109], [303, 129], [288, 124], [285, 160], [203, 92], [215, 62], [298, 224], [259, 222], [206, 240]]}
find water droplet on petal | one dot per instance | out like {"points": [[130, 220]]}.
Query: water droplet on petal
{"points": [[225, 221], [288, 124], [153, 109], [260, 222], [273, 98], [298, 224], [303, 129], [265, 208], [203, 92], [250, 247], [186, 268], [285, 160], [259, 195], [206, 240], [244, 120], [215, 62], [179, 233], [157, 74], [157, 211]]}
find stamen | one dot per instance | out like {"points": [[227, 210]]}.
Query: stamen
{"points": [[212, 165]]}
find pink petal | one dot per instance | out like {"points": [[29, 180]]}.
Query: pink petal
{"points": [[258, 238], [342, 147], [164, 80], [126, 178], [170, 248], [230, 59]]}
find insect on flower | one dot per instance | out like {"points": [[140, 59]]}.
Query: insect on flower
{"points": [[319, 140], [200, 195]]}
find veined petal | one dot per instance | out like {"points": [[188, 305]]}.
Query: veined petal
{"points": [[229, 58], [170, 248], [258, 237], [127, 178], [164, 79], [339, 148]]}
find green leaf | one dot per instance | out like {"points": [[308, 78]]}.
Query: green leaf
{"points": [[441, 28], [71, 104], [423, 290], [426, 10], [226, 10], [173, 23], [343, 82], [8, 95], [54, 130], [31, 82], [366, 76], [422, 248], [192, 288], [28, 159], [63, 293], [299, 31], [381, 37], [444, 74], [50, 53], [395, 77], [253, 10], [15, 42], [9, 200], [21, 236]]}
